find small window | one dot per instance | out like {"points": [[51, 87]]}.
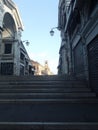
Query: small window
{"points": [[21, 70], [8, 48], [22, 56], [26, 64]]}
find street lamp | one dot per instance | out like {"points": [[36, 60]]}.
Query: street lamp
{"points": [[27, 42], [52, 32]]}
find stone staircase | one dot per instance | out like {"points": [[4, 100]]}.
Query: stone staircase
{"points": [[47, 103]]}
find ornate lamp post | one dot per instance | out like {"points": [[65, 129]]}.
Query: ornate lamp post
{"points": [[52, 30], [26, 42]]}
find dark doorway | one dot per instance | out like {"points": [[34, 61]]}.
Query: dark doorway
{"points": [[93, 64], [6, 68]]}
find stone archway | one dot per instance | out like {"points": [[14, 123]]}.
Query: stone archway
{"points": [[11, 46], [7, 45], [9, 27]]}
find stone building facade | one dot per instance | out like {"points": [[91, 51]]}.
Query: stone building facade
{"points": [[14, 59], [78, 23]]}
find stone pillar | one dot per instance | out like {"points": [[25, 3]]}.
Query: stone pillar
{"points": [[85, 57], [1, 47], [64, 60], [68, 54], [16, 45]]}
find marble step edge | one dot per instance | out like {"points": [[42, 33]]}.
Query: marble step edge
{"points": [[43, 86], [47, 90], [50, 125], [50, 101], [66, 94]]}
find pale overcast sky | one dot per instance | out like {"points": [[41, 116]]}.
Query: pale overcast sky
{"points": [[38, 17]]}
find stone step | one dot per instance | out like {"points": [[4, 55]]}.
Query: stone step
{"points": [[43, 90], [48, 112], [48, 103], [41, 82], [46, 95], [49, 125], [42, 85], [56, 101], [38, 77]]}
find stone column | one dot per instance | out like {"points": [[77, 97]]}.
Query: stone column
{"points": [[17, 43], [0, 48]]}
